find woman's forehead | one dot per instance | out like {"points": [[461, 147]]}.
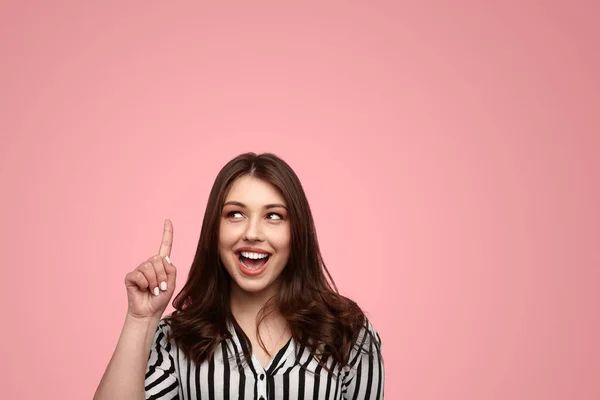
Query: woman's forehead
{"points": [[250, 190]]}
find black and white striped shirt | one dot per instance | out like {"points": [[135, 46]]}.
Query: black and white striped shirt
{"points": [[290, 375]]}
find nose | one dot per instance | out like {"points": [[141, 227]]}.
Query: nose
{"points": [[253, 230]]}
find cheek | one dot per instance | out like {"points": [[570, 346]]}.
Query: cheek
{"points": [[227, 236], [283, 241]]}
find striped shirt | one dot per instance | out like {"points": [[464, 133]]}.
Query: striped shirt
{"points": [[291, 374]]}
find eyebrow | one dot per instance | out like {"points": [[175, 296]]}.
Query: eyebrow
{"points": [[266, 207]]}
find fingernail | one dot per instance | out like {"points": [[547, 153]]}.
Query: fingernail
{"points": [[156, 291], [168, 260], [163, 286]]}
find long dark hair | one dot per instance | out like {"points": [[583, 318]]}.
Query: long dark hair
{"points": [[321, 319]]}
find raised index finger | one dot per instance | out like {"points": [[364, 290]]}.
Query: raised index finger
{"points": [[167, 239]]}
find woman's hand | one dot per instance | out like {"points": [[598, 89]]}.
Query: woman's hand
{"points": [[151, 285]]}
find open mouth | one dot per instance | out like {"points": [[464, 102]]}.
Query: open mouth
{"points": [[253, 263]]}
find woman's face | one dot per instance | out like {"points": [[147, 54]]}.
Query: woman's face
{"points": [[254, 235]]}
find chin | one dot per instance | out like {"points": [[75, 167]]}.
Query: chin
{"points": [[253, 287]]}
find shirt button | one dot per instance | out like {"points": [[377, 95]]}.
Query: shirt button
{"points": [[262, 377]]}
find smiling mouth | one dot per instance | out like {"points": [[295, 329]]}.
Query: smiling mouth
{"points": [[253, 264]]}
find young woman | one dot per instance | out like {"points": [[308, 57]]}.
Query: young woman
{"points": [[259, 316]]}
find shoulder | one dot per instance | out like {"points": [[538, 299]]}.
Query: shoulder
{"points": [[368, 342], [162, 332], [368, 334], [165, 323], [364, 375]]}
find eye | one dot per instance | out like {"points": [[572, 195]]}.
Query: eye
{"points": [[277, 216], [232, 214]]}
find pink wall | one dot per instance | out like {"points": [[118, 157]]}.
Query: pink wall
{"points": [[450, 154]]}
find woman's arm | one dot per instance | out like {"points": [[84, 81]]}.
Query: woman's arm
{"points": [[149, 288], [124, 376]]}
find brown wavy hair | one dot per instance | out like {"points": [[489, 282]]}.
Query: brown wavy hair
{"points": [[319, 318]]}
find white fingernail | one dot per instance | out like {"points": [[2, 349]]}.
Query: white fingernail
{"points": [[156, 291], [168, 260], [163, 286]]}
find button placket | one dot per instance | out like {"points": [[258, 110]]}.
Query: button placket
{"points": [[262, 388], [261, 378]]}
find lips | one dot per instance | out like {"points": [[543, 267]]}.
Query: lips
{"points": [[251, 268], [251, 272], [251, 250]]}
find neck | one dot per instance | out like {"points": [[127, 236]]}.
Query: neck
{"points": [[245, 306]]}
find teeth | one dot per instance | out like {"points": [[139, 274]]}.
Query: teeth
{"points": [[254, 256]]}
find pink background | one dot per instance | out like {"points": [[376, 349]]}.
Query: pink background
{"points": [[449, 151]]}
